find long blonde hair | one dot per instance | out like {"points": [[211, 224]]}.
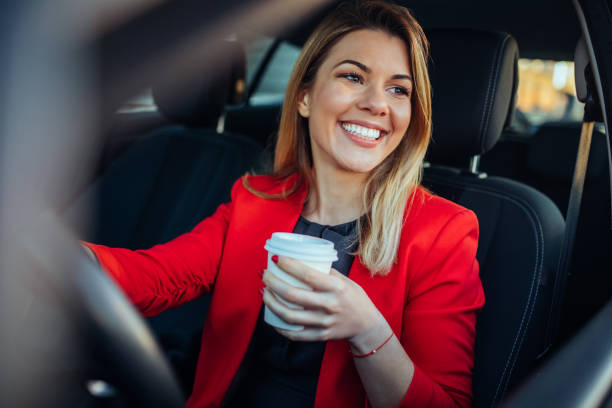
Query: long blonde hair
{"points": [[392, 182]]}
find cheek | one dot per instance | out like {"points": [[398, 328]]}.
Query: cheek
{"points": [[333, 98], [401, 123], [403, 115]]}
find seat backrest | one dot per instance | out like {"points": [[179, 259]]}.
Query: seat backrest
{"points": [[258, 122], [590, 282], [165, 184], [551, 156], [508, 157], [177, 174], [549, 167], [474, 76]]}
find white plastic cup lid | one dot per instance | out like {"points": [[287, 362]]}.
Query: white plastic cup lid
{"points": [[300, 246]]}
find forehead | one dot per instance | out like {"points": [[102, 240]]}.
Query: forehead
{"points": [[378, 50]]}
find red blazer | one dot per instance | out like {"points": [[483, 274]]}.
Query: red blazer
{"points": [[430, 297]]}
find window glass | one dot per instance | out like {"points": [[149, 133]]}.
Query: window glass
{"points": [[255, 48], [143, 102], [546, 91], [272, 86]]}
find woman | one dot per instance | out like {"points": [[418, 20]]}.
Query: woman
{"points": [[394, 322]]}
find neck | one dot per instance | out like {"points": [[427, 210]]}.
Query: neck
{"points": [[337, 198]]}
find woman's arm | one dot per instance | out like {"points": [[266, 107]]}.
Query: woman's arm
{"points": [[431, 363], [386, 375], [338, 308], [170, 274]]}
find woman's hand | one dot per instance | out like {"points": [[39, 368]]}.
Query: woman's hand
{"points": [[335, 308]]}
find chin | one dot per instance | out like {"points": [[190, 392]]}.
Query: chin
{"points": [[358, 167]]}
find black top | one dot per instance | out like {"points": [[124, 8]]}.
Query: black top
{"points": [[278, 372]]}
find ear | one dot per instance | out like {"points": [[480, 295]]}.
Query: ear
{"points": [[304, 104]]}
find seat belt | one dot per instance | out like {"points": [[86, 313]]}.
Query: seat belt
{"points": [[586, 92]]}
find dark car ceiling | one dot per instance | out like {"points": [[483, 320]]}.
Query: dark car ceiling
{"points": [[546, 29]]}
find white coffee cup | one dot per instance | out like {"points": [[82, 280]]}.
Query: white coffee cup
{"points": [[317, 253]]}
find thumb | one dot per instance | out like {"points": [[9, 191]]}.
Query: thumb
{"points": [[334, 272]]}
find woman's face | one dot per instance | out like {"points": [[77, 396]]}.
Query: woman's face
{"points": [[359, 108]]}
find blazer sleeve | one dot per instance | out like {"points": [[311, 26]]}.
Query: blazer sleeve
{"points": [[173, 273], [438, 330]]}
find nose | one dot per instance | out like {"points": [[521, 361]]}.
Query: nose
{"points": [[374, 101]]}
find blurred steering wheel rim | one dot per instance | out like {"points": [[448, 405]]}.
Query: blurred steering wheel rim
{"points": [[121, 338], [64, 75]]}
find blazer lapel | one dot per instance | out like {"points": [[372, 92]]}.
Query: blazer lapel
{"points": [[236, 301], [254, 223]]}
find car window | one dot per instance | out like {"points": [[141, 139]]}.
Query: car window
{"points": [[256, 47], [546, 91], [271, 88], [142, 102]]}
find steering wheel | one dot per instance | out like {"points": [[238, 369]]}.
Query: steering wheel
{"points": [[122, 339]]}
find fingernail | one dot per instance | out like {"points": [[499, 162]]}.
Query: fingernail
{"points": [[275, 258]]}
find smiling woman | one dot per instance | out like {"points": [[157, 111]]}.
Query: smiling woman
{"points": [[399, 67], [404, 293]]}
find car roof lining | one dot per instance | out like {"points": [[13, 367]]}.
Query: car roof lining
{"points": [[555, 38]]}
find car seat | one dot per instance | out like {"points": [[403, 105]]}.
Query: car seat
{"points": [[165, 184], [474, 78], [549, 168], [545, 161]]}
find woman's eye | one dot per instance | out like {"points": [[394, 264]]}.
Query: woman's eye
{"points": [[353, 77], [398, 90]]}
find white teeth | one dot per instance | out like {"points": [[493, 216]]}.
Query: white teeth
{"points": [[362, 132]]}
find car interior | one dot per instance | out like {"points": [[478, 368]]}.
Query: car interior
{"points": [[177, 174], [163, 169]]}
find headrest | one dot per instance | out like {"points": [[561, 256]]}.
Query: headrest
{"points": [[201, 101], [553, 148], [474, 76]]}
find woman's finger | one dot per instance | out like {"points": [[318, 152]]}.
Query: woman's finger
{"points": [[311, 277], [303, 297], [307, 334], [302, 317]]}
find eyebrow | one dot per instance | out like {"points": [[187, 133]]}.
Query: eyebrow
{"points": [[368, 70]]}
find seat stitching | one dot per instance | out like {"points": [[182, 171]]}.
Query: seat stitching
{"points": [[531, 298], [529, 306]]}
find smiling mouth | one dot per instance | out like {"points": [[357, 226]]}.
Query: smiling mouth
{"points": [[362, 132]]}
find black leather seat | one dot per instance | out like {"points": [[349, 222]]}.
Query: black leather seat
{"points": [[474, 77], [165, 184], [508, 157], [258, 122], [175, 175], [549, 167]]}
